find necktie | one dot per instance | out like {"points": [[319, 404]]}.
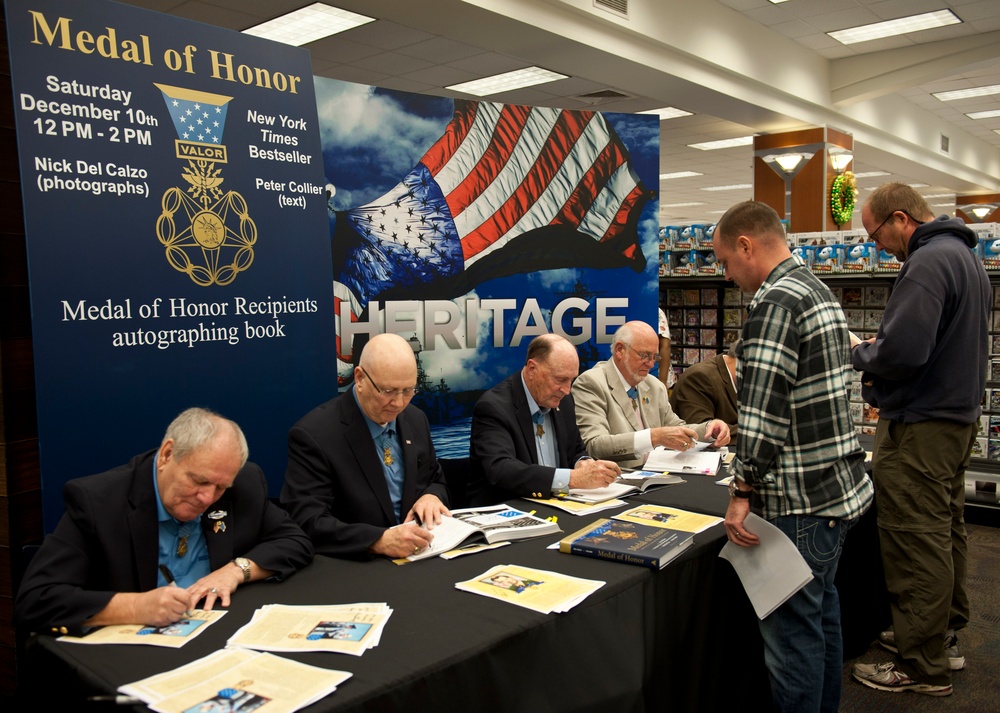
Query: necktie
{"points": [[539, 419]]}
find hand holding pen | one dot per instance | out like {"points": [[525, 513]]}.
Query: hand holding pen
{"points": [[171, 582]]}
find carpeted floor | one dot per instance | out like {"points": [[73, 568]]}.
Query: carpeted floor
{"points": [[977, 687]]}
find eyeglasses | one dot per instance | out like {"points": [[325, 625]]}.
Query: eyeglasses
{"points": [[871, 236], [645, 356], [391, 393]]}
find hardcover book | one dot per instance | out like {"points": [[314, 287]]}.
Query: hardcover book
{"points": [[629, 542]]}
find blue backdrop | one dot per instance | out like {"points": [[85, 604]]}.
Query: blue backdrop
{"points": [[177, 235]]}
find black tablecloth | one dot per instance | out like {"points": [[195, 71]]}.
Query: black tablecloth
{"points": [[682, 639]]}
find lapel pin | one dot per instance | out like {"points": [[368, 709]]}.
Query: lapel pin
{"points": [[218, 527], [409, 442], [217, 514]]}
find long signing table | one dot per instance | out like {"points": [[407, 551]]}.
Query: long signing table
{"points": [[684, 638]]}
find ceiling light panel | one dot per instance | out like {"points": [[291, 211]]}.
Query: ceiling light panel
{"points": [[967, 93], [891, 28], [667, 112], [723, 144], [308, 24], [508, 81], [732, 187], [991, 114], [679, 174]]}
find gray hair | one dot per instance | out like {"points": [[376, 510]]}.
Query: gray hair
{"points": [[196, 427], [623, 334]]}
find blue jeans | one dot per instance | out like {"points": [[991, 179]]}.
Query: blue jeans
{"points": [[803, 648]]}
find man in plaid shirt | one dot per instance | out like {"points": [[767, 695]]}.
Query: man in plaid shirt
{"points": [[798, 460]]}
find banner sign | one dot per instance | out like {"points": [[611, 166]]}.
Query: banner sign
{"points": [[178, 244], [470, 227]]}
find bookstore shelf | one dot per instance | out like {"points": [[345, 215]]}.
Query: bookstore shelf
{"points": [[706, 315]]}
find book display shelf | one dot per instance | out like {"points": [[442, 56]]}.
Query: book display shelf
{"points": [[706, 316]]}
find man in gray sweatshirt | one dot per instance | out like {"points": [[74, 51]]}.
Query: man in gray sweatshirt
{"points": [[926, 372]]}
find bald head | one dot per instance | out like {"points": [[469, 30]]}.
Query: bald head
{"points": [[385, 379], [552, 364]]}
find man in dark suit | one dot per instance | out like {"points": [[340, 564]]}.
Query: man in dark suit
{"points": [[363, 463], [524, 440], [707, 390], [194, 506]]}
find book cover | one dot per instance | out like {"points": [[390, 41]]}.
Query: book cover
{"points": [[628, 542], [665, 517]]}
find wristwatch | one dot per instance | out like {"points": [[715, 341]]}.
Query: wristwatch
{"points": [[735, 492], [244, 564]]}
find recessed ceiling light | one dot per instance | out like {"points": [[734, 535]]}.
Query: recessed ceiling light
{"points": [[967, 93], [308, 24], [518, 79], [722, 144], [679, 174], [681, 205], [667, 112], [732, 187], [943, 205], [778, 2], [938, 195], [891, 28], [871, 174], [984, 114]]}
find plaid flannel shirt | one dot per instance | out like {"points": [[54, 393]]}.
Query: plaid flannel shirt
{"points": [[797, 444]]}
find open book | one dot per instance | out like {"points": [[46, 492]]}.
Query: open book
{"points": [[695, 461], [641, 480], [494, 523]]}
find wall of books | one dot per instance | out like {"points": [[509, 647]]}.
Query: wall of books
{"points": [[706, 313]]}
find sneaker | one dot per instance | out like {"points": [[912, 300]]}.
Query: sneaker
{"points": [[885, 677], [887, 640]]}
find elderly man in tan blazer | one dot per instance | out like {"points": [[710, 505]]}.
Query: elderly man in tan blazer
{"points": [[623, 412]]}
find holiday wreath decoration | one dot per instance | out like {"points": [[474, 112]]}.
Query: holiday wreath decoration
{"points": [[842, 194]]}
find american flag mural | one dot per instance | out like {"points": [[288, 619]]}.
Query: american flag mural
{"points": [[506, 189]]}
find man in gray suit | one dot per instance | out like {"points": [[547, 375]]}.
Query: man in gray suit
{"points": [[623, 412]]}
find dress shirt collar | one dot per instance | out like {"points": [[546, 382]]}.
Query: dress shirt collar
{"points": [[621, 378], [374, 428], [533, 407]]}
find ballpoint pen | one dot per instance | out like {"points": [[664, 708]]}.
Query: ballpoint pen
{"points": [[117, 700], [171, 582]]}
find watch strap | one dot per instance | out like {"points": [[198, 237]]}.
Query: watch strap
{"points": [[735, 492], [244, 564]]}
